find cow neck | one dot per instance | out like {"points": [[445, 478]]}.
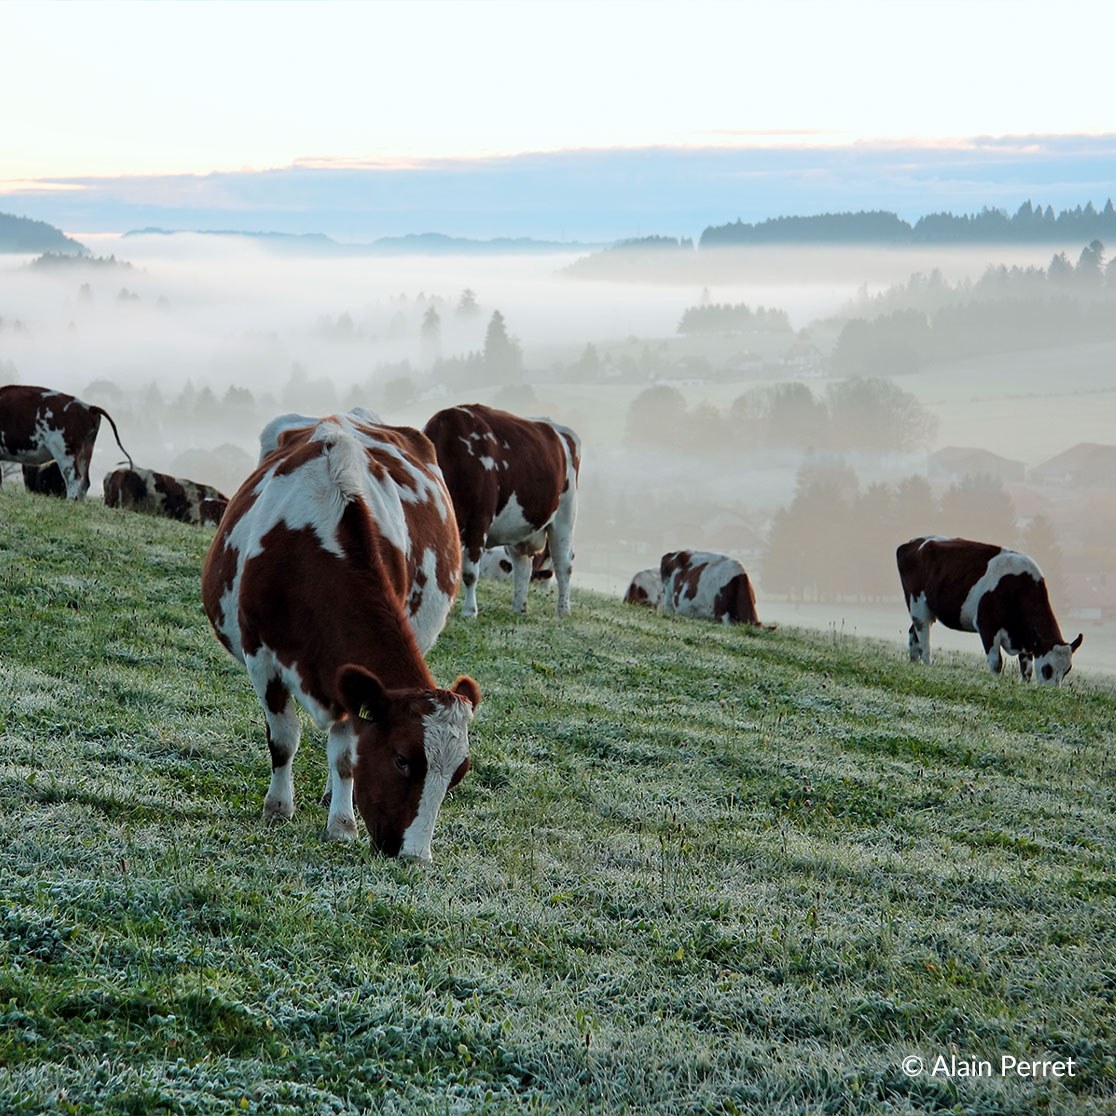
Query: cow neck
{"points": [[378, 624]]}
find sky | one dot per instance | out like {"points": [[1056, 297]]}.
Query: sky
{"points": [[159, 105]]}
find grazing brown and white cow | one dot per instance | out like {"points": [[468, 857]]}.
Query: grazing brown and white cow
{"points": [[144, 490], [331, 574], [513, 482], [38, 425], [979, 587], [709, 586], [46, 480], [645, 588], [278, 426]]}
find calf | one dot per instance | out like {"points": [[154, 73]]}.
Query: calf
{"points": [[978, 587], [645, 588], [709, 586], [144, 490], [513, 482], [38, 425], [330, 575]]}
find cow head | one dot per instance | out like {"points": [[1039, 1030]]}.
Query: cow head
{"points": [[1052, 667], [412, 746]]}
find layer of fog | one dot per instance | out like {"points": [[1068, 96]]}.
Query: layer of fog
{"points": [[317, 334]]}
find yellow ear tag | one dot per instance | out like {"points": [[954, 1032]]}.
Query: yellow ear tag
{"points": [[365, 714]]}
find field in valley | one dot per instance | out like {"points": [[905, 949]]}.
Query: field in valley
{"points": [[693, 869]]}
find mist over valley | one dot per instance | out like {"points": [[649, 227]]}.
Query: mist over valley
{"points": [[723, 399]]}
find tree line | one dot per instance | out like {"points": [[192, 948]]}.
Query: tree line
{"points": [[855, 414], [1029, 223], [1006, 310]]}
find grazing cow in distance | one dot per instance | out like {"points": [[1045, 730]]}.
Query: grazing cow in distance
{"points": [[708, 586], [979, 587], [498, 564], [278, 426], [645, 588], [38, 425], [46, 480], [211, 510], [514, 483], [331, 574], [144, 490]]}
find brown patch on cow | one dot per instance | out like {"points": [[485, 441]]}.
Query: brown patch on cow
{"points": [[737, 601]]}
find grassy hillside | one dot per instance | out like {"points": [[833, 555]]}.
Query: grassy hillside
{"points": [[692, 870]]}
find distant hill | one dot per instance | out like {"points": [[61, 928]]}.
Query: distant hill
{"points": [[417, 244], [22, 235]]}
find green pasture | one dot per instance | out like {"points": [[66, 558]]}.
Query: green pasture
{"points": [[693, 869]]}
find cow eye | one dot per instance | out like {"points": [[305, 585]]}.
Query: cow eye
{"points": [[401, 764], [1047, 671]]}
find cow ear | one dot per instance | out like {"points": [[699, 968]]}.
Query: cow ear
{"points": [[363, 694], [1077, 642], [466, 688]]}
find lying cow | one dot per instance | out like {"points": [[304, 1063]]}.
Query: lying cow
{"points": [[331, 574], [144, 490], [645, 588], [278, 426], [46, 480], [978, 587], [708, 586], [499, 565], [514, 483], [38, 425]]}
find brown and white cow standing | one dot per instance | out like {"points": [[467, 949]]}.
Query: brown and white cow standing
{"points": [[645, 588], [331, 574], [513, 482], [144, 490], [709, 586], [979, 587], [38, 425]]}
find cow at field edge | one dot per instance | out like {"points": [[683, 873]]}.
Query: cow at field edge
{"points": [[331, 574], [272, 433], [212, 509], [709, 586], [979, 587], [645, 588], [144, 490], [38, 425], [514, 483], [46, 480]]}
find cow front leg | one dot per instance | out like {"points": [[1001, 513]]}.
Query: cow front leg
{"points": [[283, 732], [918, 640], [993, 649], [341, 823], [470, 568], [1026, 663], [521, 579]]}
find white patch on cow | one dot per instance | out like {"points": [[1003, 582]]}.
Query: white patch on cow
{"points": [[1005, 563], [488, 462], [1059, 659], [511, 525], [446, 743], [434, 605], [651, 582]]}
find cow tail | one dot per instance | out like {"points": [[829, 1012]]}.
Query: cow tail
{"points": [[116, 433]]}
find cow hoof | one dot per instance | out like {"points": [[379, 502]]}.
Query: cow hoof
{"points": [[276, 810], [341, 829]]}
